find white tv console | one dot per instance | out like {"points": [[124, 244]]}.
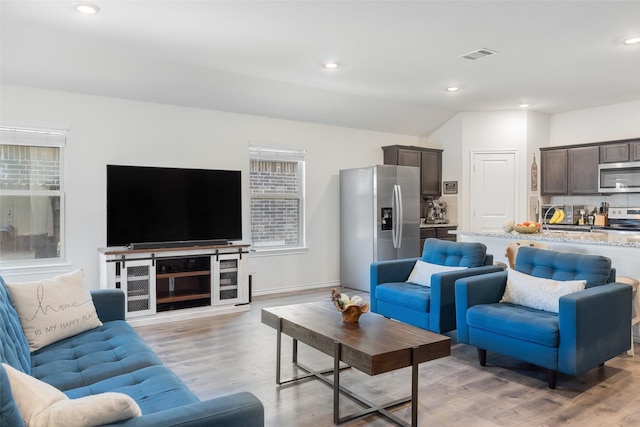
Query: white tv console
{"points": [[178, 283]]}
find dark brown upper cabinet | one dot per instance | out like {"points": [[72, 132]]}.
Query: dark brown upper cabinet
{"points": [[429, 160], [554, 180]]}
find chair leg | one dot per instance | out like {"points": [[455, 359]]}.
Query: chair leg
{"points": [[482, 357], [552, 378]]}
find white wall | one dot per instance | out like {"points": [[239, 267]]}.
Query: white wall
{"points": [[605, 123], [114, 131], [449, 138]]}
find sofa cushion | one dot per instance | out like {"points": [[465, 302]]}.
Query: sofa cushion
{"points": [[537, 292], [455, 254], [405, 294], [155, 389], [422, 272], [595, 269], [9, 413], [15, 348], [516, 321], [54, 408], [112, 349], [53, 309]]}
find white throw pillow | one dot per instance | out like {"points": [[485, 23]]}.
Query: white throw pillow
{"points": [[53, 309], [537, 292], [422, 272], [41, 404]]}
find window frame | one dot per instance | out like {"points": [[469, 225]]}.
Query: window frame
{"points": [[260, 152], [39, 136]]}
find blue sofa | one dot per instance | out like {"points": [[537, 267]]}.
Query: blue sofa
{"points": [[591, 326], [433, 307], [113, 358]]}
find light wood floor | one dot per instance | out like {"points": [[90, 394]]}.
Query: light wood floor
{"points": [[229, 353]]}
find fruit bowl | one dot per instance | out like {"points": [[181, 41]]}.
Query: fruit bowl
{"points": [[527, 229]]}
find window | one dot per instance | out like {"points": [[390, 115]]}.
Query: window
{"points": [[276, 181], [31, 195]]}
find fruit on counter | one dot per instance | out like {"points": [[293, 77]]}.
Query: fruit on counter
{"points": [[522, 227], [557, 217], [529, 224]]}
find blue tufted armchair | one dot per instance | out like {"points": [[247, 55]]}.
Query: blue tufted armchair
{"points": [[590, 327], [428, 307]]}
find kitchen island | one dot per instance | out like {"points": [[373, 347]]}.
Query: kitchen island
{"points": [[622, 249]]}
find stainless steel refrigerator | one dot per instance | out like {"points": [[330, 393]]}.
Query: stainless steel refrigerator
{"points": [[379, 219]]}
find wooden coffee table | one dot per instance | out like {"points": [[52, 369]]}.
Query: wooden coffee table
{"points": [[374, 345]]}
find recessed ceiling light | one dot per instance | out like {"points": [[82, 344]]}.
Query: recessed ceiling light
{"points": [[331, 65], [452, 89], [87, 8], [523, 105], [632, 40]]}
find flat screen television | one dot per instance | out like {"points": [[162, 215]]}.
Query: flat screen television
{"points": [[158, 206]]}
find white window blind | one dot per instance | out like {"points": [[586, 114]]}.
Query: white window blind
{"points": [[31, 195], [276, 177]]}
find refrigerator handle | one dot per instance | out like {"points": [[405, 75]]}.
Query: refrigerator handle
{"points": [[400, 217], [396, 205]]}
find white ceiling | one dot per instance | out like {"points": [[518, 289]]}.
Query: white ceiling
{"points": [[265, 57]]}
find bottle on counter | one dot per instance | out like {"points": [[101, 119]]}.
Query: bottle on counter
{"points": [[592, 216]]}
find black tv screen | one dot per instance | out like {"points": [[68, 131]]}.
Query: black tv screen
{"points": [[154, 205]]}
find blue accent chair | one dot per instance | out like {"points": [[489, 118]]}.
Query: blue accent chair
{"points": [[431, 308], [591, 326]]}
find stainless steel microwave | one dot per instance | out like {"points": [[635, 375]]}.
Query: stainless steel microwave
{"points": [[619, 177]]}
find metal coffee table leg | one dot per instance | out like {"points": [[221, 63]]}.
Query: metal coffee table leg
{"points": [[338, 389]]}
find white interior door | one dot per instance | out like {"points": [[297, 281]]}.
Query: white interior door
{"points": [[493, 190]]}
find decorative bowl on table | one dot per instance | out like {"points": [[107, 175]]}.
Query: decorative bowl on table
{"points": [[350, 308]]}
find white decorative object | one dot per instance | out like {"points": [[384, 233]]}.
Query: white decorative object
{"points": [[41, 404], [537, 292], [422, 272], [53, 309]]}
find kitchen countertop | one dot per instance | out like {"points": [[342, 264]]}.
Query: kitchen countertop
{"points": [[437, 225], [591, 238]]}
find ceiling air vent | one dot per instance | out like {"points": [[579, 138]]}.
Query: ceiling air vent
{"points": [[477, 54]]}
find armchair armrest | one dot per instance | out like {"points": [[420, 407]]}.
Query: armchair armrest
{"points": [[109, 304], [396, 270], [236, 410], [595, 326], [474, 290], [443, 295]]}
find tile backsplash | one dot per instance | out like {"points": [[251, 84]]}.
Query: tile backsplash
{"points": [[618, 200]]}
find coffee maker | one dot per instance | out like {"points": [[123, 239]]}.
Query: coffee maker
{"points": [[436, 212]]}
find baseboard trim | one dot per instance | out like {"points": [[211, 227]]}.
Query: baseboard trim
{"points": [[285, 289], [186, 314]]}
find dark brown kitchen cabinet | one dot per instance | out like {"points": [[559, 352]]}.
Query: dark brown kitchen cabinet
{"points": [[635, 151], [429, 160], [553, 172], [569, 171], [583, 170], [614, 153], [408, 158], [440, 232], [426, 233], [431, 173]]}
